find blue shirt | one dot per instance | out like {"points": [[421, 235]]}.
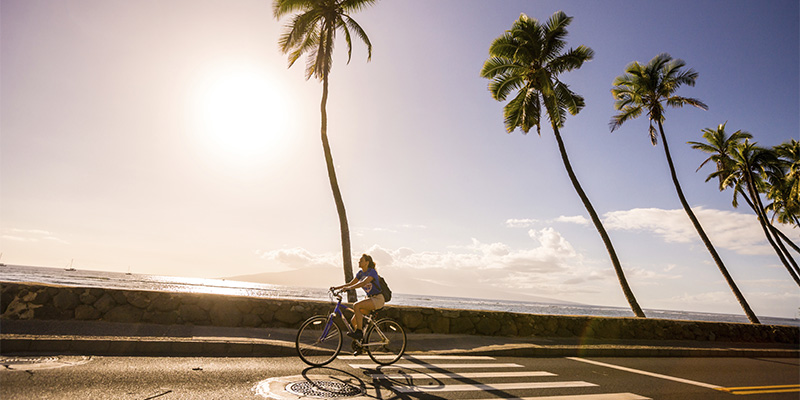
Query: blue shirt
{"points": [[372, 288]]}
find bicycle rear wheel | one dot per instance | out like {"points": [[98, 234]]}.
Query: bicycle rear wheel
{"points": [[314, 346], [385, 341]]}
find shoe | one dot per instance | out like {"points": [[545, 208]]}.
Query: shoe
{"points": [[357, 349], [358, 335]]}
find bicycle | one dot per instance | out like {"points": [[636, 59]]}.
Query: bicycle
{"points": [[319, 339]]}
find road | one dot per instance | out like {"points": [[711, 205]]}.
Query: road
{"points": [[468, 378]]}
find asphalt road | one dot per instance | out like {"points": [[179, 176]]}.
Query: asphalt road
{"points": [[468, 378]]}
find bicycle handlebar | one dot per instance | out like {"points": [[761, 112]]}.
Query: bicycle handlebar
{"points": [[336, 293]]}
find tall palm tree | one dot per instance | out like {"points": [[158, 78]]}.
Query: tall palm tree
{"points": [[528, 59], [649, 88], [785, 192], [784, 188], [721, 147], [312, 31], [741, 165], [752, 164]]}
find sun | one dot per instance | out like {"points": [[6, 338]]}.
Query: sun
{"points": [[242, 114]]}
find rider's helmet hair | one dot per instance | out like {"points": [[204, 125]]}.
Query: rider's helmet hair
{"points": [[371, 263]]}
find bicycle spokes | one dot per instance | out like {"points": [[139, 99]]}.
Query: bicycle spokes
{"points": [[385, 342], [318, 341]]}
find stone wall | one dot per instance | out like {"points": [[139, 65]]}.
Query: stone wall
{"points": [[23, 301]]}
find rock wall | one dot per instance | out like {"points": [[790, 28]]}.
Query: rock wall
{"points": [[24, 301]]}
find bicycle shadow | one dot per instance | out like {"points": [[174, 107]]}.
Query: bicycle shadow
{"points": [[404, 383], [374, 389]]}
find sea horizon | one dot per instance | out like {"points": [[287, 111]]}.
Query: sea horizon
{"points": [[133, 281]]}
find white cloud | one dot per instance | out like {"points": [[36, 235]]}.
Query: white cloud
{"points": [[520, 223], [528, 223], [731, 230], [549, 266], [31, 236], [577, 219], [299, 258]]}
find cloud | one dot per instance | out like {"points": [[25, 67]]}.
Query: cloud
{"points": [[549, 265], [731, 230], [299, 258], [577, 219], [31, 236], [520, 223], [528, 223]]}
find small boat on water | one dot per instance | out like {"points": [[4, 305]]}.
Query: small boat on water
{"points": [[70, 266]]}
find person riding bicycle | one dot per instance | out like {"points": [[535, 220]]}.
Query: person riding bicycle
{"points": [[367, 279]]}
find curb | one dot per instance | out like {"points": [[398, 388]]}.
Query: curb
{"points": [[11, 344], [143, 346]]}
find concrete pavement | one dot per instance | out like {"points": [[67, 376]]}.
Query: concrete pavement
{"points": [[23, 337]]}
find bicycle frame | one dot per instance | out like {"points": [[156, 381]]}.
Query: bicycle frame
{"points": [[337, 311]]}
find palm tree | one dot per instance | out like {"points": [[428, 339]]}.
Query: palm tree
{"points": [[752, 164], [721, 147], [312, 31], [785, 190], [528, 59], [739, 164], [649, 88]]}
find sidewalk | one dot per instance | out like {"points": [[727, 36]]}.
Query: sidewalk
{"points": [[25, 337]]}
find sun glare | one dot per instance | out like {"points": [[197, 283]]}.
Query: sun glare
{"points": [[242, 114]]}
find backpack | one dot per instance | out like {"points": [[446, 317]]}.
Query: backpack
{"points": [[387, 293]]}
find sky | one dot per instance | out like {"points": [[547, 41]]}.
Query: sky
{"points": [[169, 137]]}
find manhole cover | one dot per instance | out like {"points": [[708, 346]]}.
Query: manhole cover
{"points": [[316, 386], [323, 389]]}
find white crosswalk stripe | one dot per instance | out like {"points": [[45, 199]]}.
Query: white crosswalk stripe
{"points": [[455, 375], [436, 366], [423, 357], [490, 387], [424, 371], [601, 396]]}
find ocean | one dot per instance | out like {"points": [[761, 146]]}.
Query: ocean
{"points": [[116, 280]]}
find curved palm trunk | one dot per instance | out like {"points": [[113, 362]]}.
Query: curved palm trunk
{"points": [[626, 289], [765, 225], [785, 239], [337, 194], [739, 297]]}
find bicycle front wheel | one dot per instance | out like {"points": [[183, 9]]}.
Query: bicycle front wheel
{"points": [[319, 341], [385, 341]]}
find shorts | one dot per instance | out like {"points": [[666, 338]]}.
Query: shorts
{"points": [[378, 300]]}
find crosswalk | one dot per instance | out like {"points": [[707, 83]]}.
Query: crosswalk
{"points": [[438, 375]]}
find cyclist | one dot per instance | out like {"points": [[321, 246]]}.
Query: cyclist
{"points": [[367, 279]]}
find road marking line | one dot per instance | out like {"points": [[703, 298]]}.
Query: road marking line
{"points": [[761, 389], [640, 372], [490, 387], [454, 375], [421, 357], [431, 366], [602, 396]]}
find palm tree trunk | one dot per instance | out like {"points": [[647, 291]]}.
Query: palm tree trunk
{"points": [[786, 253], [626, 289], [786, 239], [337, 194], [762, 218], [739, 297], [778, 235]]}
